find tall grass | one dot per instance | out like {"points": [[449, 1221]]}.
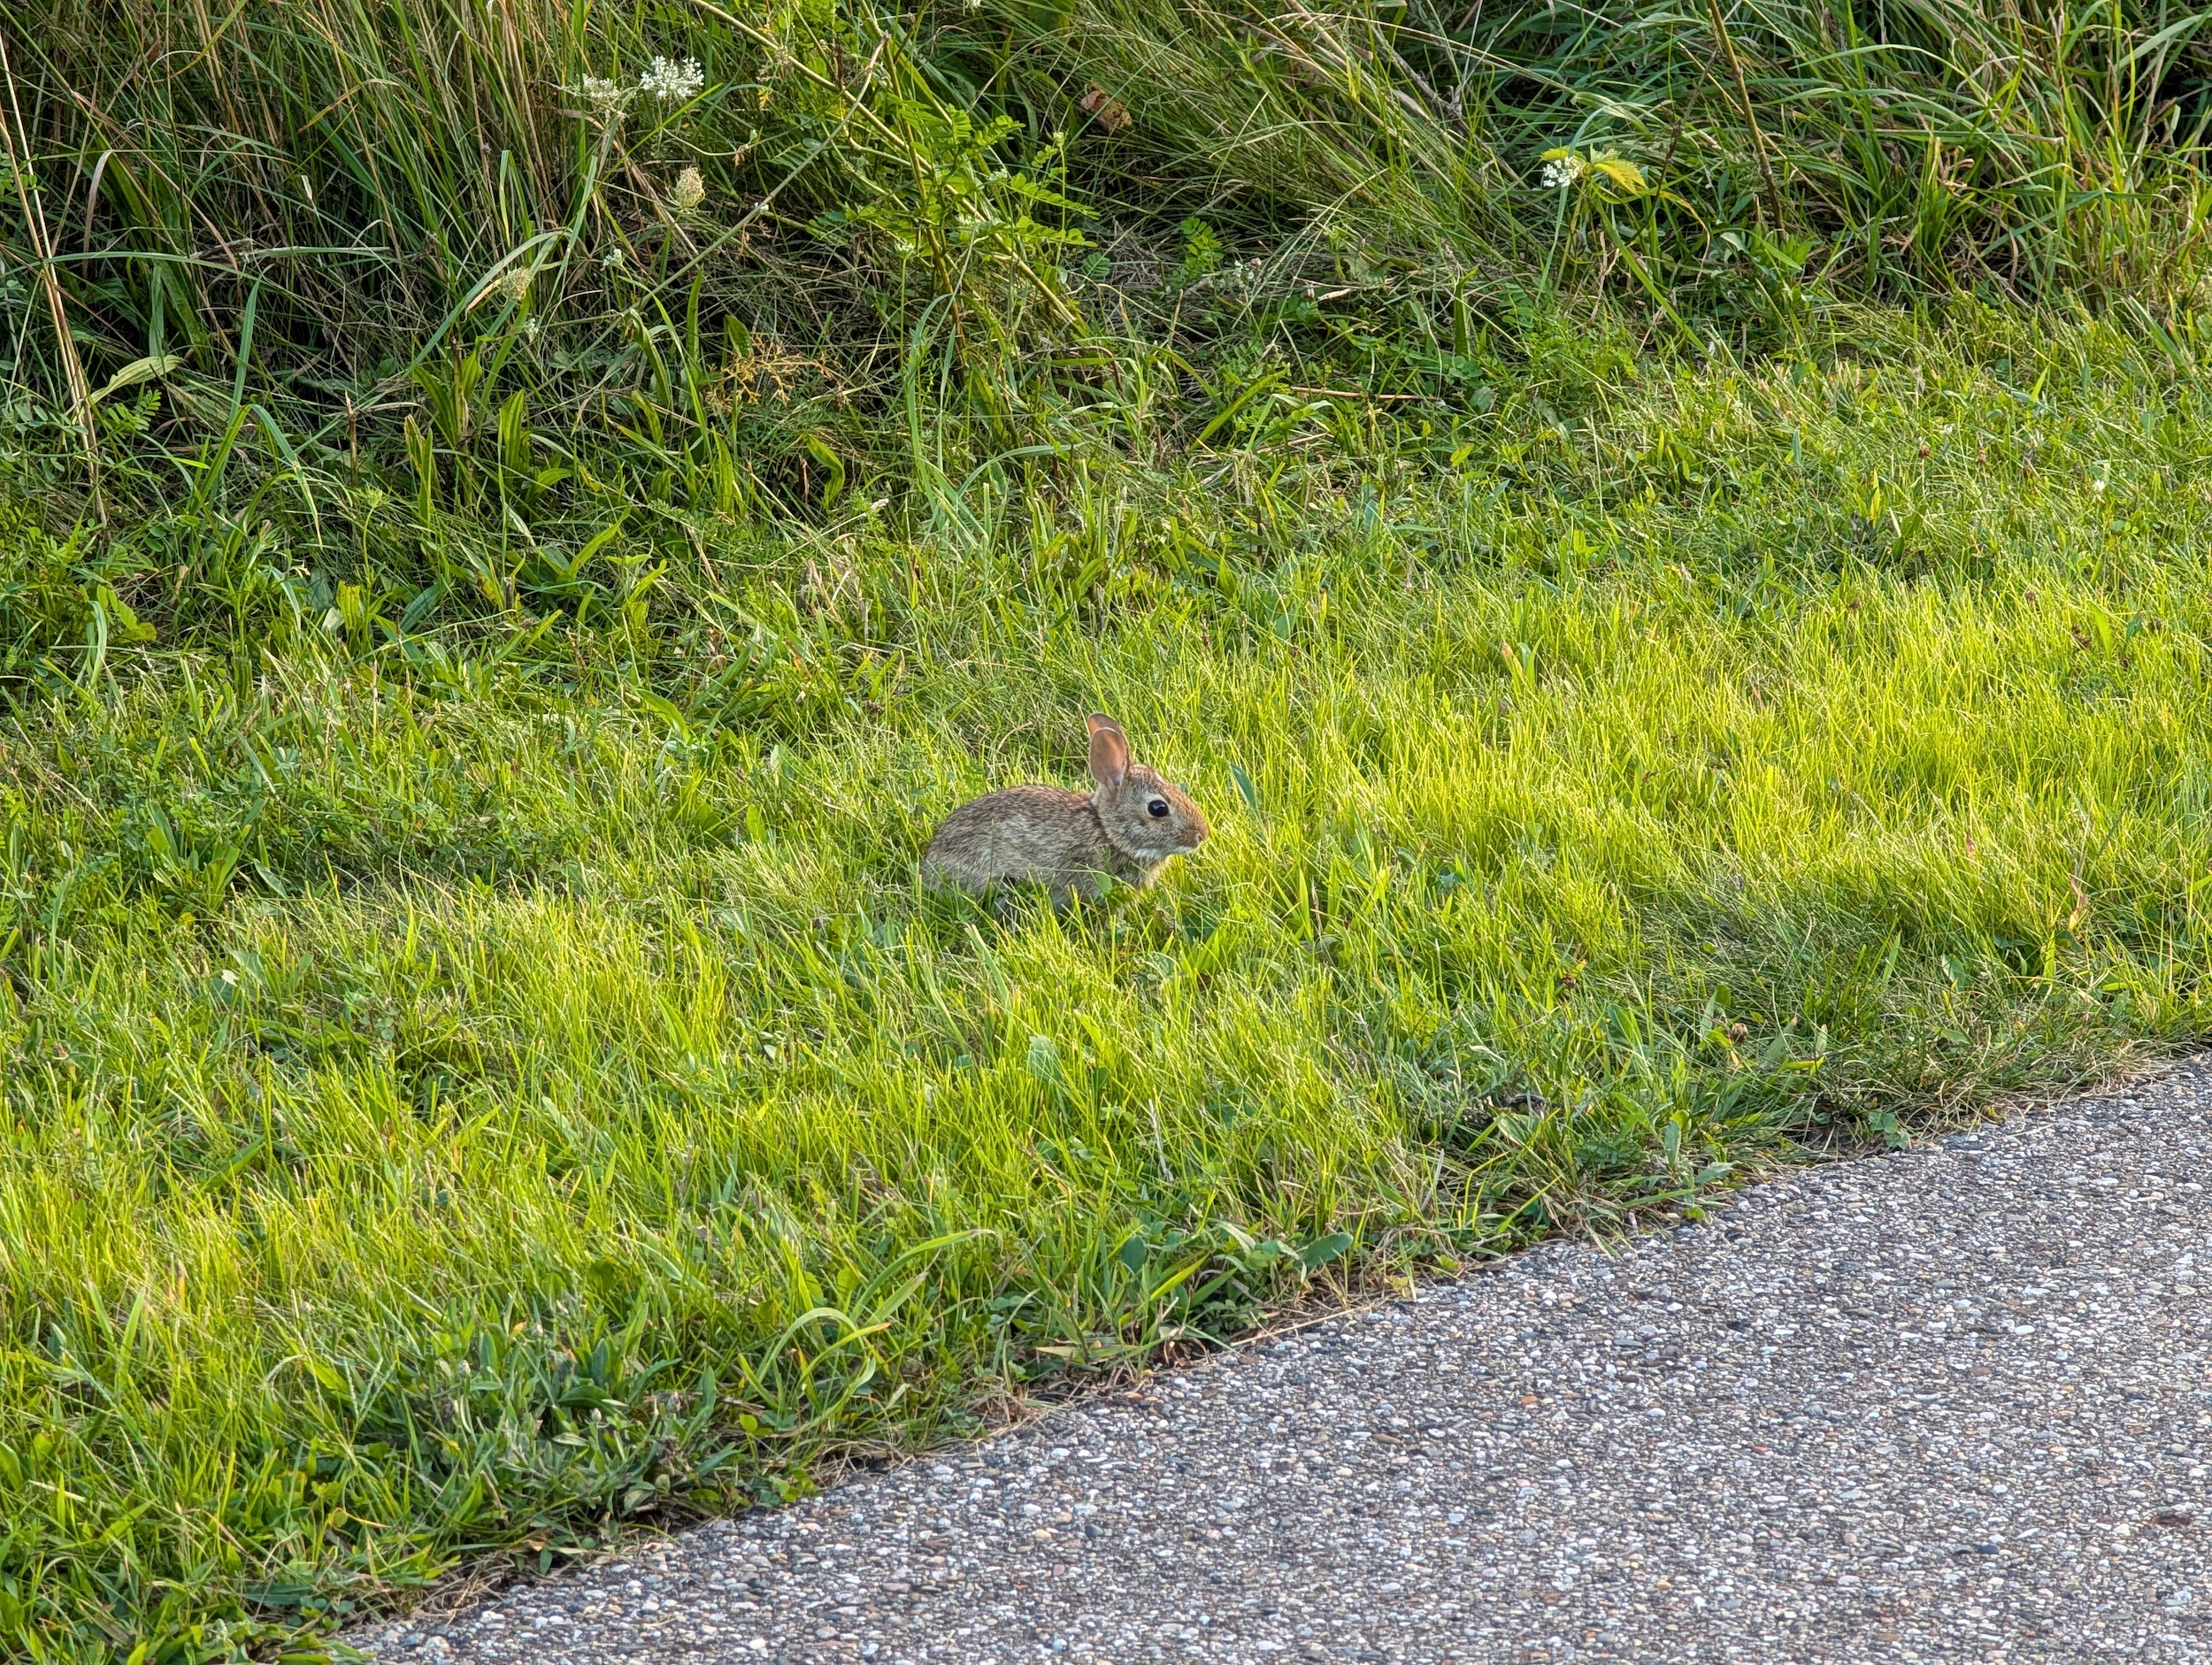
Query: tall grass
{"points": [[310, 206], [1943, 143]]}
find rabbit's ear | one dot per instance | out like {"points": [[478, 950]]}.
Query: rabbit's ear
{"points": [[1110, 750]]}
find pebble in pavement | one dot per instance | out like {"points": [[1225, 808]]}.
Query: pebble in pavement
{"points": [[1950, 1404]]}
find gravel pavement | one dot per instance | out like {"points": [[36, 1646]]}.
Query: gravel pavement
{"points": [[1950, 1404]]}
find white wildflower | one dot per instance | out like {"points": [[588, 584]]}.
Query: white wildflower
{"points": [[1562, 168], [691, 190], [611, 259], [604, 97], [672, 82]]}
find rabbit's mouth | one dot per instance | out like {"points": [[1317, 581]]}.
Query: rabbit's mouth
{"points": [[1150, 853], [1181, 847]]}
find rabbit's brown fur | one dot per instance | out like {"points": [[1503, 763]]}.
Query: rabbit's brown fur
{"points": [[1069, 841]]}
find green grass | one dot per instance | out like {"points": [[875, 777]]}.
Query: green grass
{"points": [[933, 231], [463, 1101], [1694, 668]]}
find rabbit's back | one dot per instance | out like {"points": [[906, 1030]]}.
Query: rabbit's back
{"points": [[1035, 834]]}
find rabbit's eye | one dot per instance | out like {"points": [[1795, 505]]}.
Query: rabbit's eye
{"points": [[1157, 808]]}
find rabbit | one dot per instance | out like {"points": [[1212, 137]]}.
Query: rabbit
{"points": [[1069, 842]]}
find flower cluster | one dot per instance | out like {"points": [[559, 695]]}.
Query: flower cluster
{"points": [[601, 95], [1562, 168], [672, 82], [691, 190]]}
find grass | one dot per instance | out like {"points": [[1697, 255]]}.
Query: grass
{"points": [[564, 1110], [1694, 667], [314, 219]]}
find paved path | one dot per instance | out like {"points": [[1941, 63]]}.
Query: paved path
{"points": [[1951, 1404]]}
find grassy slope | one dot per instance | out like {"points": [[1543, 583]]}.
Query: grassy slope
{"points": [[573, 1112]]}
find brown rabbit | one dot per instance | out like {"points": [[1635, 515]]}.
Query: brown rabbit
{"points": [[1069, 841]]}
